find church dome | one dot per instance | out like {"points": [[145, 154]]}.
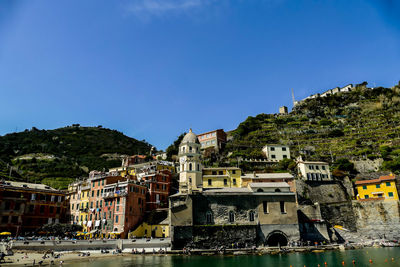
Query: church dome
{"points": [[190, 137]]}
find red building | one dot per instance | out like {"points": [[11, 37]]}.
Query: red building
{"points": [[158, 184], [125, 204], [25, 207], [214, 139]]}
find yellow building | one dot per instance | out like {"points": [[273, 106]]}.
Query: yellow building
{"points": [[383, 188], [84, 205], [151, 230], [222, 177]]}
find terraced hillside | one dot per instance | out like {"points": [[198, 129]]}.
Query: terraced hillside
{"points": [[364, 123]]}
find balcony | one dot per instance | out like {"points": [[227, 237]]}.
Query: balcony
{"points": [[114, 194]]}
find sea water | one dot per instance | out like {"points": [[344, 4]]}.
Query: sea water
{"points": [[362, 257]]}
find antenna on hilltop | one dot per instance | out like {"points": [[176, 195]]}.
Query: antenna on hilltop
{"points": [[294, 100]]}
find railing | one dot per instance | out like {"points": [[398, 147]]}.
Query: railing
{"points": [[114, 194]]}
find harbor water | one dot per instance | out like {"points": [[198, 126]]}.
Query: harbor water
{"points": [[378, 256]]}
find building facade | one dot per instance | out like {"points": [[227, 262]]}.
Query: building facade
{"points": [[314, 170], [214, 139], [269, 178], [383, 188], [25, 207], [276, 152], [221, 177], [260, 214]]}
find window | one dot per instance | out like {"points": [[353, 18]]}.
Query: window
{"points": [[190, 149], [378, 186], [190, 166], [323, 167], [273, 156], [272, 148], [221, 172], [109, 215], [231, 216], [92, 193], [225, 182], [91, 205], [51, 209], [116, 218], [97, 204], [58, 210], [31, 208], [98, 193], [364, 187], [214, 172], [102, 182], [390, 194], [101, 203], [234, 181], [33, 197], [98, 183], [52, 198], [93, 184], [388, 184], [209, 182], [42, 209], [198, 167], [233, 171], [251, 216], [265, 206], [17, 206], [91, 216], [366, 196], [209, 217], [117, 208], [284, 156], [316, 167], [117, 200], [283, 148], [282, 204]]}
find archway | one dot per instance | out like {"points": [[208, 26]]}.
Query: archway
{"points": [[276, 238]]}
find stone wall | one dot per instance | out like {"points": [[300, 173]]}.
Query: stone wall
{"points": [[367, 165], [377, 219]]}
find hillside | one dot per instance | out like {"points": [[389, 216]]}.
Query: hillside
{"points": [[56, 157], [355, 125]]}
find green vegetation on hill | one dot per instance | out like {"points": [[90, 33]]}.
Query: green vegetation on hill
{"points": [[360, 124], [55, 157]]}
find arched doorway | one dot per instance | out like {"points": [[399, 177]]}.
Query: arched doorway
{"points": [[276, 238]]}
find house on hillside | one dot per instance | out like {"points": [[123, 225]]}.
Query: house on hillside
{"points": [[314, 170], [383, 188], [276, 152]]}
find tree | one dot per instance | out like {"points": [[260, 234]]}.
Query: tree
{"points": [[173, 149]]}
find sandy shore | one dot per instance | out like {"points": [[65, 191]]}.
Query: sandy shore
{"points": [[29, 258]]}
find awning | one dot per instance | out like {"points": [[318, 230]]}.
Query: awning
{"points": [[89, 224], [376, 193], [97, 223]]}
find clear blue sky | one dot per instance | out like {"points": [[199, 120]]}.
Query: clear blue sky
{"points": [[154, 68]]}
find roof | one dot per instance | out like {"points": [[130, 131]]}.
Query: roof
{"points": [[275, 145], [211, 131], [233, 190], [190, 137], [376, 181], [268, 176], [273, 185], [314, 162], [221, 168], [28, 185]]}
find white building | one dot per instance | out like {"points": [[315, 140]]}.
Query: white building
{"points": [[314, 170], [276, 152]]}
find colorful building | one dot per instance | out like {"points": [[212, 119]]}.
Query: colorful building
{"points": [[269, 178], [214, 139], [155, 230], [276, 152], [158, 185], [383, 188], [25, 207], [221, 177]]}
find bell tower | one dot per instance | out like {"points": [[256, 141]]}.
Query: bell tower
{"points": [[190, 168]]}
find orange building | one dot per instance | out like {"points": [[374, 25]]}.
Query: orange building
{"points": [[25, 207], [214, 139]]}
